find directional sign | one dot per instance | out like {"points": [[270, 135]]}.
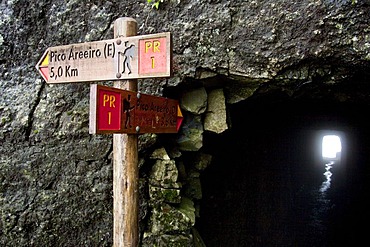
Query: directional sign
{"points": [[114, 110], [145, 56]]}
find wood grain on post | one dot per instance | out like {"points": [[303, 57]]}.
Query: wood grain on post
{"points": [[125, 164]]}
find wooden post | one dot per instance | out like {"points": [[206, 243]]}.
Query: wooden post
{"points": [[125, 164]]}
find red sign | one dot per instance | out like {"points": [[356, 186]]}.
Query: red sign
{"points": [[109, 111], [114, 110]]}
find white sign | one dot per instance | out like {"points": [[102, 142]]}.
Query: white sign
{"points": [[135, 57]]}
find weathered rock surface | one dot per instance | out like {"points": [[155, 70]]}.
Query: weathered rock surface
{"points": [[216, 117], [56, 179], [195, 101]]}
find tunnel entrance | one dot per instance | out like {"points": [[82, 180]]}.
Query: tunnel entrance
{"points": [[263, 186]]}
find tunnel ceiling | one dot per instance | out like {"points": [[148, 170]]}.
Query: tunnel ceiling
{"points": [[317, 103]]}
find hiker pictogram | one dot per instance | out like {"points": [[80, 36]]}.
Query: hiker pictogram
{"points": [[127, 109], [128, 55]]}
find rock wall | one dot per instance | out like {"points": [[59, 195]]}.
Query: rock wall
{"points": [[56, 179]]}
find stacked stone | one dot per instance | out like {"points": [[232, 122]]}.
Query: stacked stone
{"points": [[172, 208], [198, 105]]}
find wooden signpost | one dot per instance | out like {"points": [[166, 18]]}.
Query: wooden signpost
{"points": [[120, 111]]}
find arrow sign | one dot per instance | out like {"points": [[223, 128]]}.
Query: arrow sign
{"points": [[136, 57], [114, 110]]}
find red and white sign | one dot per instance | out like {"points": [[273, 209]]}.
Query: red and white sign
{"points": [[145, 56]]}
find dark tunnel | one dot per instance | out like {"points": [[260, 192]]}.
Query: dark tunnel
{"points": [[263, 185]]}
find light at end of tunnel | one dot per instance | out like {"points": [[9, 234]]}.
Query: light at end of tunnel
{"points": [[331, 147]]}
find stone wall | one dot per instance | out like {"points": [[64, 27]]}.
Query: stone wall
{"points": [[56, 179]]}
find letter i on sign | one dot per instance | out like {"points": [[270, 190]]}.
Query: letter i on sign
{"points": [[109, 110]]}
